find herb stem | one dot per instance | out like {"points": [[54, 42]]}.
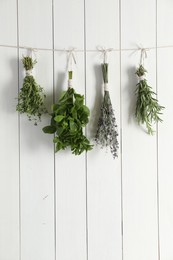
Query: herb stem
{"points": [[70, 74]]}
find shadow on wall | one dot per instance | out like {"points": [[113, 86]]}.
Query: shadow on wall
{"points": [[61, 78], [131, 88], [95, 110], [9, 100]]}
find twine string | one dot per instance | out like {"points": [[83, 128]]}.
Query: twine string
{"points": [[105, 52], [71, 58], [81, 50], [31, 52], [143, 55], [105, 59]]}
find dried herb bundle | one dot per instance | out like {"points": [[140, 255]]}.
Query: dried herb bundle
{"points": [[147, 108], [31, 96], [107, 134], [69, 116]]}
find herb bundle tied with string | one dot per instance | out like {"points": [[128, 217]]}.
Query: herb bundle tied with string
{"points": [[148, 110], [107, 133], [69, 117], [31, 96]]}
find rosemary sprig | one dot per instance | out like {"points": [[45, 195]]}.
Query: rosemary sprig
{"points": [[31, 96], [148, 110], [106, 135]]}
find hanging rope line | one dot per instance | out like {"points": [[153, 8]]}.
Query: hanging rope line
{"points": [[78, 50]]}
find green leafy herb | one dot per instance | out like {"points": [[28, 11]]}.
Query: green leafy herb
{"points": [[107, 134], [31, 96], [69, 116], [147, 108]]}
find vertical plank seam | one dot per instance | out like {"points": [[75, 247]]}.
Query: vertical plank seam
{"points": [[53, 75], [121, 136], [157, 138], [19, 146], [86, 161]]}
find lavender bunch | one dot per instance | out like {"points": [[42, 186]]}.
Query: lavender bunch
{"points": [[106, 135]]}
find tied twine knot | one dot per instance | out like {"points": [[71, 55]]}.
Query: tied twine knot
{"points": [[70, 83], [105, 58], [104, 52], [143, 55], [106, 88], [32, 52], [71, 58], [141, 78], [28, 72]]}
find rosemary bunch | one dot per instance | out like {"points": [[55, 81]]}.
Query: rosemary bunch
{"points": [[107, 134], [31, 96], [147, 108], [69, 116]]}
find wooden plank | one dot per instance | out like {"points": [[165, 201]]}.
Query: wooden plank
{"points": [[70, 180], [37, 174], [138, 23], [104, 173], [37, 158], [139, 149], [139, 168], [164, 22], [9, 154], [69, 24], [8, 21], [102, 24], [165, 143], [35, 23], [70, 169]]}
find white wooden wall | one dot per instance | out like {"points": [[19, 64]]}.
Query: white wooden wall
{"points": [[91, 207]]}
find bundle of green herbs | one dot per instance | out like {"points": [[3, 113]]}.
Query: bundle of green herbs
{"points": [[147, 108], [69, 116], [31, 97], [106, 135]]}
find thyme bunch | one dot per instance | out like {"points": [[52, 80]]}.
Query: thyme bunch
{"points": [[106, 135], [148, 110], [69, 116], [31, 96]]}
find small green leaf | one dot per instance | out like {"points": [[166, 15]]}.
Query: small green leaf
{"points": [[73, 126], [49, 129], [59, 118]]}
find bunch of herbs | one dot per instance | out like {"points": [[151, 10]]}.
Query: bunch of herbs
{"points": [[31, 96], [69, 116], [148, 110], [107, 134]]}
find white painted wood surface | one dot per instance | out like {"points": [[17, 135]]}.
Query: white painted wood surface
{"points": [[35, 23], [103, 173], [8, 21], [139, 168], [70, 170], [89, 207], [9, 154], [37, 174], [165, 143]]}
